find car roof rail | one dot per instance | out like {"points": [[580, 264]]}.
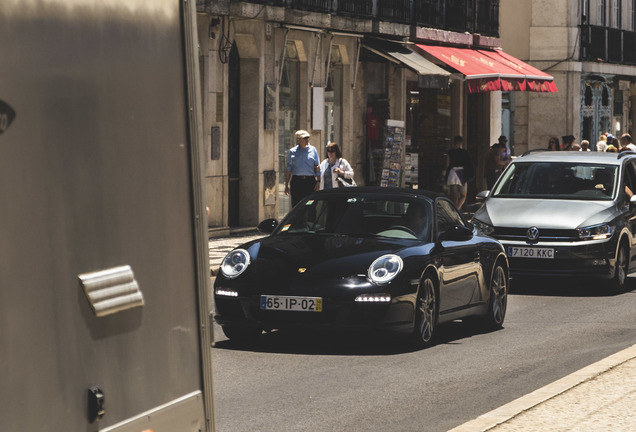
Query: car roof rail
{"points": [[625, 153], [534, 151]]}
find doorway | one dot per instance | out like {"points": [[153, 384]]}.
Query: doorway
{"points": [[234, 136], [289, 108]]}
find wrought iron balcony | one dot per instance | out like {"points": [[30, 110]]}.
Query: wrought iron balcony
{"points": [[360, 8], [312, 5], [472, 16], [605, 44], [395, 10]]}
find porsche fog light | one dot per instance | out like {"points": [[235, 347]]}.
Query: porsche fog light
{"points": [[226, 292], [385, 268], [596, 232], [373, 298], [235, 263]]}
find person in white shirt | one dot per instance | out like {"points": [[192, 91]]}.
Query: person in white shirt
{"points": [[601, 145], [585, 145], [334, 167], [626, 142]]}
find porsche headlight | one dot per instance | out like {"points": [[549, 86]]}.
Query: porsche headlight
{"points": [[596, 232], [235, 263], [385, 268], [482, 228]]}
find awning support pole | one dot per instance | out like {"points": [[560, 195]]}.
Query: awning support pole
{"points": [[354, 70], [328, 64], [318, 54]]}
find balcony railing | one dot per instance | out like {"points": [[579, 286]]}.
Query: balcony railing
{"points": [[311, 5], [361, 8], [605, 44], [472, 16], [395, 10]]}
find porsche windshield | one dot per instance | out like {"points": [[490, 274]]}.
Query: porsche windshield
{"points": [[558, 180], [361, 215]]}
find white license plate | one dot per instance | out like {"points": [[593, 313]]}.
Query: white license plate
{"points": [[290, 303], [528, 252]]}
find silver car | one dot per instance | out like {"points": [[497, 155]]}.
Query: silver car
{"points": [[565, 214]]}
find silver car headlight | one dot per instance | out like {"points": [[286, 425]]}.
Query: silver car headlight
{"points": [[482, 228], [385, 269], [235, 263], [595, 232]]}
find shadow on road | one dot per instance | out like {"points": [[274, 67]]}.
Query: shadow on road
{"points": [[566, 287], [308, 342]]}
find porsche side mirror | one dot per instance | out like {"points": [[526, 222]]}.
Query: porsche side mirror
{"points": [[456, 233], [267, 226]]}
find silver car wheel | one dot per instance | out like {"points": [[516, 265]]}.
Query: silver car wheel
{"points": [[620, 278]]}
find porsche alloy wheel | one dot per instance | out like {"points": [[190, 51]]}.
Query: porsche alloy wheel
{"points": [[498, 301], [425, 315]]}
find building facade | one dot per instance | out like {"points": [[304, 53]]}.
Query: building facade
{"points": [[589, 47], [339, 69]]}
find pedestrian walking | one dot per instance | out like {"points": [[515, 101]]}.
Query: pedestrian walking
{"points": [[553, 144], [303, 168], [459, 171], [494, 164], [335, 171]]}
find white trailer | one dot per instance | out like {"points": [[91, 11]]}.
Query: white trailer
{"points": [[104, 272]]}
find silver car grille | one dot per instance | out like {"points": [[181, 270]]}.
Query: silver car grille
{"points": [[548, 235]]}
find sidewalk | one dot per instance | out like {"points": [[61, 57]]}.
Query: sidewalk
{"points": [[599, 397]]}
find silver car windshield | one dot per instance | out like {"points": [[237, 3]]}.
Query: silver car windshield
{"points": [[558, 180]]}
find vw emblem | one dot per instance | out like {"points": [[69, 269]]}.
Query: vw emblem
{"points": [[533, 233]]}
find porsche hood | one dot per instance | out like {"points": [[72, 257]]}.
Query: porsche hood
{"points": [[320, 256]]}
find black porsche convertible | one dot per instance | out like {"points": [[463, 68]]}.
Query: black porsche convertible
{"points": [[363, 258]]}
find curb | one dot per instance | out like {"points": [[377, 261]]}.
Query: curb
{"points": [[506, 412]]}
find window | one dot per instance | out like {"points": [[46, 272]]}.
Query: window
{"points": [[288, 106], [333, 99], [601, 17], [629, 180], [447, 216], [632, 15], [360, 216], [617, 16], [585, 13], [558, 180]]}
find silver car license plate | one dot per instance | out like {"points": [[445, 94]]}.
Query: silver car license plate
{"points": [[530, 252], [290, 303]]}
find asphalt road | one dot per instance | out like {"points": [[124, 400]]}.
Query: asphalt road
{"points": [[330, 382]]}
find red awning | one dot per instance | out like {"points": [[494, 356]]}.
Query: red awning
{"points": [[490, 70]]}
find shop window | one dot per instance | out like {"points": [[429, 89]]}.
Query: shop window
{"points": [[428, 129], [333, 100], [288, 107]]}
